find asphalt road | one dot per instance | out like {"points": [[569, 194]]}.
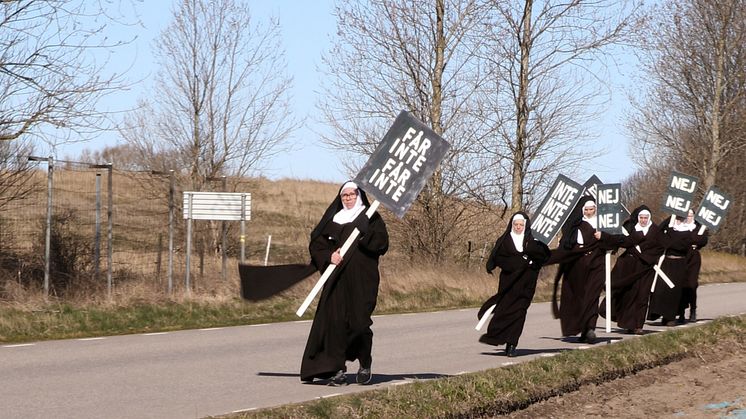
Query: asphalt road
{"points": [[197, 373]]}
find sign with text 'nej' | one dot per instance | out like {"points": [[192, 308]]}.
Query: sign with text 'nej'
{"points": [[680, 193], [555, 208], [712, 210], [402, 163], [609, 208]]}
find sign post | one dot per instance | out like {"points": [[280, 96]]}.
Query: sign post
{"points": [[609, 215], [394, 175]]}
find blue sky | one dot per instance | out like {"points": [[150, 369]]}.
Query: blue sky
{"points": [[307, 28]]}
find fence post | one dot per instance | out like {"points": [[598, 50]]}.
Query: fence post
{"points": [[224, 228], [97, 231], [48, 233], [48, 226], [110, 238], [171, 209]]}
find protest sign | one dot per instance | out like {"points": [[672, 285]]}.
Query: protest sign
{"points": [[713, 208], [680, 193], [402, 163], [394, 174], [591, 187], [555, 208], [610, 211]]}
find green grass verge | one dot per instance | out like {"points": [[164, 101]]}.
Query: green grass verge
{"points": [[64, 321], [502, 390]]}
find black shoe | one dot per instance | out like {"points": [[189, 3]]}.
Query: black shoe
{"points": [[339, 379], [363, 376], [669, 323], [590, 336], [693, 315], [510, 350]]}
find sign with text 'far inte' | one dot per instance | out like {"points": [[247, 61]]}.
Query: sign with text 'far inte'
{"points": [[555, 208], [402, 163], [680, 193]]}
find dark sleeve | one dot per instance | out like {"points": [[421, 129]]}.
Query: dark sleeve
{"points": [[508, 259], [375, 239], [321, 249], [699, 241], [611, 241], [537, 252]]}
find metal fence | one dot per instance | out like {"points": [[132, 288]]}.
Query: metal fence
{"points": [[89, 226]]}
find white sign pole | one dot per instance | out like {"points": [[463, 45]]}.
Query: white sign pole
{"points": [[485, 316], [266, 253], [329, 269]]}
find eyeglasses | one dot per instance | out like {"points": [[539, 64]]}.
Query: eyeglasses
{"points": [[349, 195]]}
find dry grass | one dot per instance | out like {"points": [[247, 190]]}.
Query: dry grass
{"points": [[285, 209]]}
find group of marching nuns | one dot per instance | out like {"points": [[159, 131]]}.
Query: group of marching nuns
{"points": [[341, 330], [637, 292]]}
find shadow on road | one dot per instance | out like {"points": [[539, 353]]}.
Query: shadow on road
{"points": [[377, 378]]}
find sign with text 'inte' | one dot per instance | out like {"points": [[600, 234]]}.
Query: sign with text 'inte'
{"points": [[680, 193], [555, 208], [402, 163], [712, 210]]}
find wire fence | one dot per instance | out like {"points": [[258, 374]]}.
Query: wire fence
{"points": [[71, 227]]}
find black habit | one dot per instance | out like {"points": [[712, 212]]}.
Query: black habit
{"points": [[581, 273], [666, 302], [633, 273], [517, 284], [341, 327]]}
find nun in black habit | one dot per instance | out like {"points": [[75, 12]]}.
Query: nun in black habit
{"points": [[633, 272], [665, 302], [340, 330], [581, 271], [341, 327], [519, 257], [693, 266]]}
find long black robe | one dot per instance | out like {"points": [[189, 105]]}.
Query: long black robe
{"points": [[693, 266], [341, 327], [581, 273], [518, 274], [665, 302], [632, 275]]}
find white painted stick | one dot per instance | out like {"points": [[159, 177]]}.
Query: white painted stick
{"points": [[485, 316], [266, 253], [663, 276], [608, 291], [329, 269], [657, 269]]}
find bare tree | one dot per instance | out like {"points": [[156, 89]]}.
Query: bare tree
{"points": [[692, 116], [52, 68], [695, 62], [220, 103], [417, 56], [16, 179], [551, 60]]}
